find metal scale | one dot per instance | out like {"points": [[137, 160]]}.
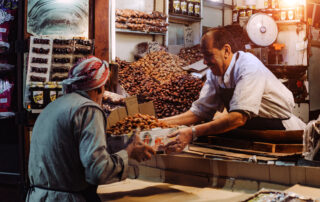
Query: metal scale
{"points": [[262, 31]]}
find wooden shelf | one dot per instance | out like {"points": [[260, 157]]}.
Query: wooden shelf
{"points": [[36, 111], [138, 32], [7, 115], [315, 43], [183, 19], [6, 68], [10, 177], [255, 146], [287, 66], [288, 71], [216, 4], [314, 1], [289, 21]]}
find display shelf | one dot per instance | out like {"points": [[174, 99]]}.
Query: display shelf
{"points": [[6, 68], [287, 66], [123, 41], [313, 1], [35, 111], [178, 18], [288, 21], [315, 43], [9, 178], [6, 115], [288, 71], [5, 71], [138, 32], [217, 4]]}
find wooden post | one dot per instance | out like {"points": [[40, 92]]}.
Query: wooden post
{"points": [[101, 29]]}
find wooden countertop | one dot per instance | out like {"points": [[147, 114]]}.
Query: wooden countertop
{"points": [[139, 191]]}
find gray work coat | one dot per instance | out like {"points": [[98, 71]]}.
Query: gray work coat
{"points": [[68, 151]]}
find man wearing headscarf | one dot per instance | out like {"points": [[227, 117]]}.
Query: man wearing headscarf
{"points": [[68, 156]]}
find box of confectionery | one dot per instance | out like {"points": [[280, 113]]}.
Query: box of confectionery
{"points": [[157, 138]]}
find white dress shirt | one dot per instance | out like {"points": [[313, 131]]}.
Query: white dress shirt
{"points": [[257, 92]]}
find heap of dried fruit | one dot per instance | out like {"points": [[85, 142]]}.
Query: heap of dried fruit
{"points": [[161, 66], [158, 77], [142, 121], [191, 54], [141, 21], [177, 96]]}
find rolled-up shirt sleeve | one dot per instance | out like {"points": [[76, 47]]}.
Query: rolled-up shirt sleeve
{"points": [[99, 165], [248, 92], [209, 101]]}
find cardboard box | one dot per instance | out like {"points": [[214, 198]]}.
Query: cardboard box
{"points": [[156, 138], [310, 192], [131, 108]]}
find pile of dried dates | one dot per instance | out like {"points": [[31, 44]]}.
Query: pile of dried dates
{"points": [[158, 77]]}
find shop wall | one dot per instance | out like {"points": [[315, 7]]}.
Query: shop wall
{"points": [[196, 35], [292, 54], [141, 5], [125, 43], [227, 16], [176, 34], [314, 81], [212, 17]]}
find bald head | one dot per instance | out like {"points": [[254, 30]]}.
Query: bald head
{"points": [[218, 38], [217, 50]]}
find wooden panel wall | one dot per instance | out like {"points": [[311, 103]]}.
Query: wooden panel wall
{"points": [[101, 29]]}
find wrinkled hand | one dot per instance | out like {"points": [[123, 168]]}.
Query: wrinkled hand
{"points": [[139, 151], [183, 138]]}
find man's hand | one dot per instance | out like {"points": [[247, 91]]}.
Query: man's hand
{"points": [[183, 138], [139, 151]]}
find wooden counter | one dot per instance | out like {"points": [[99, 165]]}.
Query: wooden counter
{"points": [[139, 191]]}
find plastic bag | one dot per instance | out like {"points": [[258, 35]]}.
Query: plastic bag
{"points": [[6, 19], [6, 89], [145, 48], [311, 140]]}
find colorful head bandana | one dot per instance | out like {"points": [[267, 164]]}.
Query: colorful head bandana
{"points": [[87, 74]]}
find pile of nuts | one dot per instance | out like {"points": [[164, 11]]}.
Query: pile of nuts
{"points": [[142, 121], [158, 77], [191, 55]]}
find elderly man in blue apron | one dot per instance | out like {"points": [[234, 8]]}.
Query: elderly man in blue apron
{"points": [[68, 156], [254, 98]]}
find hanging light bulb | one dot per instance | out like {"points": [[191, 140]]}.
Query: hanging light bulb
{"points": [[288, 3], [65, 1]]}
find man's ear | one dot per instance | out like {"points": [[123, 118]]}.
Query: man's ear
{"points": [[99, 90], [227, 50]]}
